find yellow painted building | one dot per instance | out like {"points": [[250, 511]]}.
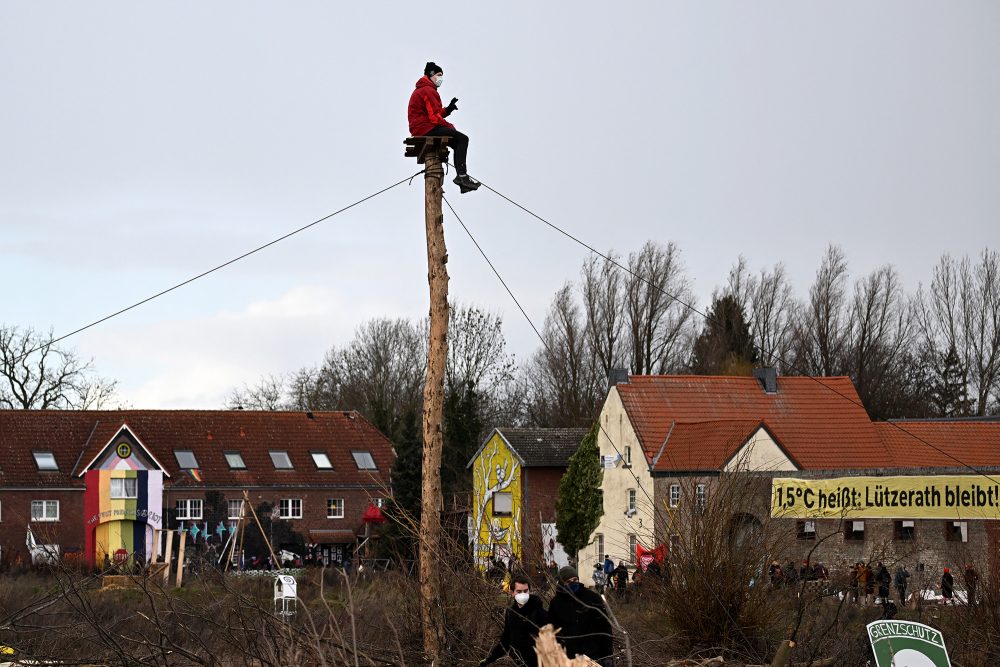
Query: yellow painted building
{"points": [[495, 520]]}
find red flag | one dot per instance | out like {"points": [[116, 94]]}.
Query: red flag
{"points": [[644, 556]]}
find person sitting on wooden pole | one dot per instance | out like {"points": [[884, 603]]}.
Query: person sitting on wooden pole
{"points": [[427, 116]]}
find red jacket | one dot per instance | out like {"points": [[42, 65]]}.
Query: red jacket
{"points": [[425, 111]]}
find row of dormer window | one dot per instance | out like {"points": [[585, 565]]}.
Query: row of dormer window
{"points": [[186, 460]]}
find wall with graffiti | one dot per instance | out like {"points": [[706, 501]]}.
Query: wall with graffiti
{"points": [[497, 501]]}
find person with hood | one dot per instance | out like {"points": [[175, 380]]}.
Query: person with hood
{"points": [[947, 586], [426, 116], [901, 580], [581, 617], [521, 623], [620, 575]]}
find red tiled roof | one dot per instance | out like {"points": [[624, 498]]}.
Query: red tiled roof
{"points": [[957, 443], [76, 438], [703, 445], [819, 421]]}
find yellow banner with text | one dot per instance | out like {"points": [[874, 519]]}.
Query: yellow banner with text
{"points": [[902, 497]]}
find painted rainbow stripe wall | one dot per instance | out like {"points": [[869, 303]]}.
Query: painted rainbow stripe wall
{"points": [[111, 524]]}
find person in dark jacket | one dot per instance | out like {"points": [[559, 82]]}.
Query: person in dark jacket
{"points": [[581, 618], [521, 622], [901, 581], [947, 586], [621, 578], [426, 116], [883, 578]]}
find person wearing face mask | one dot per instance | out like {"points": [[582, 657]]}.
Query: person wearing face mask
{"points": [[427, 116], [521, 623], [582, 619]]}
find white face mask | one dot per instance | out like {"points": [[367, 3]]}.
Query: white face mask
{"points": [[438, 81], [522, 598]]}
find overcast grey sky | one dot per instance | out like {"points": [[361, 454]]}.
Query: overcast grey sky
{"points": [[145, 142]]}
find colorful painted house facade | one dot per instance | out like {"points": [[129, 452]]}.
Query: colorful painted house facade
{"points": [[515, 482], [95, 485]]}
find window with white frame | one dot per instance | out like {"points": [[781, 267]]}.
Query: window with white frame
{"points": [[806, 529], [631, 501], [699, 495], [188, 508], [956, 531], [322, 461], [44, 510], [290, 508], [234, 509], [854, 530], [633, 542], [503, 503], [675, 495], [334, 508], [599, 544], [124, 487], [45, 460]]}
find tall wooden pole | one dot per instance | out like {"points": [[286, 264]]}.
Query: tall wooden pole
{"points": [[431, 502]]}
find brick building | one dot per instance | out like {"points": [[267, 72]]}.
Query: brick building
{"points": [[99, 482], [665, 440]]}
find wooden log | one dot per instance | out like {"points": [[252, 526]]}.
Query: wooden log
{"points": [[551, 654], [180, 559], [431, 500], [168, 556]]}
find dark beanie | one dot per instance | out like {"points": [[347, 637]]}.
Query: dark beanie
{"points": [[431, 69], [566, 573]]}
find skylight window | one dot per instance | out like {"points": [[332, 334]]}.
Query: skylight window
{"points": [[235, 461], [322, 461], [364, 461], [281, 460], [186, 459], [45, 461]]}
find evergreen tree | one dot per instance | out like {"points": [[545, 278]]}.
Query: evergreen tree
{"points": [[397, 538], [463, 432], [725, 346], [949, 389], [580, 504]]}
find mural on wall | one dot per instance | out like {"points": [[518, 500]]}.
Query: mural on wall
{"points": [[122, 501], [496, 511], [552, 550]]}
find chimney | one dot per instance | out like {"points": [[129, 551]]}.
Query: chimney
{"points": [[617, 376], [768, 378]]}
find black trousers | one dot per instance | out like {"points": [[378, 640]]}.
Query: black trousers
{"points": [[458, 142]]}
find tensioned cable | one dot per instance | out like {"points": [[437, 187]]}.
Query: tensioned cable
{"points": [[213, 269], [710, 319], [546, 346]]}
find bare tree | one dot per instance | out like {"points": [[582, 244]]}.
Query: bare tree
{"points": [[658, 321], [36, 374], [960, 311], [879, 342], [821, 331], [603, 289], [767, 300], [565, 384], [267, 394]]}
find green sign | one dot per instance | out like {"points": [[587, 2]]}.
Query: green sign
{"points": [[907, 644]]}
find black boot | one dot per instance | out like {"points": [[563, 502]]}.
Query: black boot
{"points": [[466, 183]]}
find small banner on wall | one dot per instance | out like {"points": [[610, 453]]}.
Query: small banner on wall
{"points": [[930, 497], [907, 644]]}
